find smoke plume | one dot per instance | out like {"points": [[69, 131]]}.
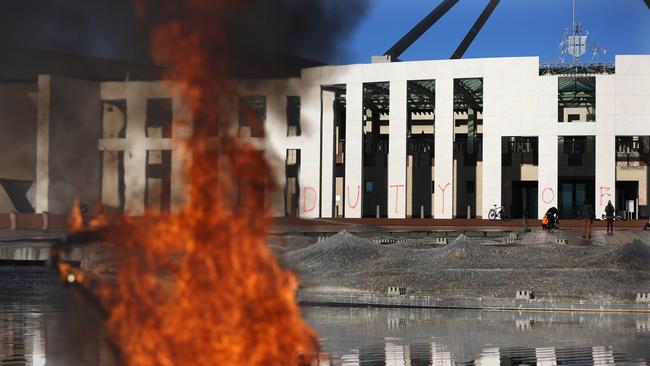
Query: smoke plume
{"points": [[311, 29]]}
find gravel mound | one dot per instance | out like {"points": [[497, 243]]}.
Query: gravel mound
{"points": [[633, 255], [342, 249], [462, 247]]}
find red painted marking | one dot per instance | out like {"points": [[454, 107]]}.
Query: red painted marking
{"points": [[443, 195], [357, 200], [604, 191], [396, 195], [548, 189], [304, 199]]}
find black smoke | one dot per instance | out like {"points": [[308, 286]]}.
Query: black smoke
{"points": [[99, 28], [309, 29]]}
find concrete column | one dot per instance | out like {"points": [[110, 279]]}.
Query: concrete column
{"points": [[275, 148], [113, 120], [182, 131], [605, 144], [327, 152], [605, 172], [397, 150], [135, 157], [444, 149], [43, 144], [309, 175], [491, 171], [548, 170], [353, 150]]}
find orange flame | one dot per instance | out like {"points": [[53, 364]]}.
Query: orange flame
{"points": [[75, 220], [200, 286]]}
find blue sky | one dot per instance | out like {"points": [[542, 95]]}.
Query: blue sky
{"points": [[516, 28]]}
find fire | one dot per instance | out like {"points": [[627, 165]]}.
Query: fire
{"points": [[200, 286], [75, 220]]}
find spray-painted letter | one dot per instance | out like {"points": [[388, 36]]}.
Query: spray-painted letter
{"points": [[397, 186], [313, 199], [356, 202], [443, 195], [544, 195], [604, 191]]}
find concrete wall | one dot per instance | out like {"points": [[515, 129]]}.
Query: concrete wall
{"points": [[74, 129], [18, 111]]}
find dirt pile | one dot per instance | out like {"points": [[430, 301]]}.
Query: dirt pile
{"points": [[340, 250], [633, 255], [462, 247]]}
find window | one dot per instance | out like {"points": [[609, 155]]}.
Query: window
{"points": [[369, 186], [293, 116], [159, 118], [158, 180], [293, 157], [114, 119], [252, 114], [576, 99]]}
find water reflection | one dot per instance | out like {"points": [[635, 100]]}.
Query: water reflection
{"points": [[409, 337], [44, 324]]}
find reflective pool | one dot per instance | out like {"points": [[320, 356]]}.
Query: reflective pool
{"points": [[43, 323], [382, 336]]}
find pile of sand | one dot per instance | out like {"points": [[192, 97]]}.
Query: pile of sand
{"points": [[633, 255], [462, 247], [341, 250]]}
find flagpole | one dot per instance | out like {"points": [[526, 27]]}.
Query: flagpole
{"points": [[573, 26]]}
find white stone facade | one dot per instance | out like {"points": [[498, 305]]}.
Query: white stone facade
{"points": [[517, 101]]}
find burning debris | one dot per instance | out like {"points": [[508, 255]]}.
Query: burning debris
{"points": [[200, 286]]}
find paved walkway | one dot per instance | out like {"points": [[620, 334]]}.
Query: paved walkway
{"points": [[598, 237]]}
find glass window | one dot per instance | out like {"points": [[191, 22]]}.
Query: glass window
{"points": [[252, 114], [577, 99], [293, 116], [369, 186], [293, 156], [159, 118]]}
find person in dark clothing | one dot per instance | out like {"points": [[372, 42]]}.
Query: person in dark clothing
{"points": [[588, 216], [552, 220], [609, 216]]}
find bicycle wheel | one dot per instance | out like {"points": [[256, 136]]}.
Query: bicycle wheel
{"points": [[503, 215], [492, 215]]}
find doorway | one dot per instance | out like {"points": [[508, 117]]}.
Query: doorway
{"points": [[626, 191], [524, 199], [573, 195]]}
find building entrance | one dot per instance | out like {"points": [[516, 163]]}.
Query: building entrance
{"points": [[420, 148], [576, 172], [375, 127], [626, 192], [573, 195], [524, 199], [519, 172]]}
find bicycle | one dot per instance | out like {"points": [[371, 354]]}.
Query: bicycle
{"points": [[497, 211]]}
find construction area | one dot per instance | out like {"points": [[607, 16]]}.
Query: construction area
{"points": [[469, 266]]}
